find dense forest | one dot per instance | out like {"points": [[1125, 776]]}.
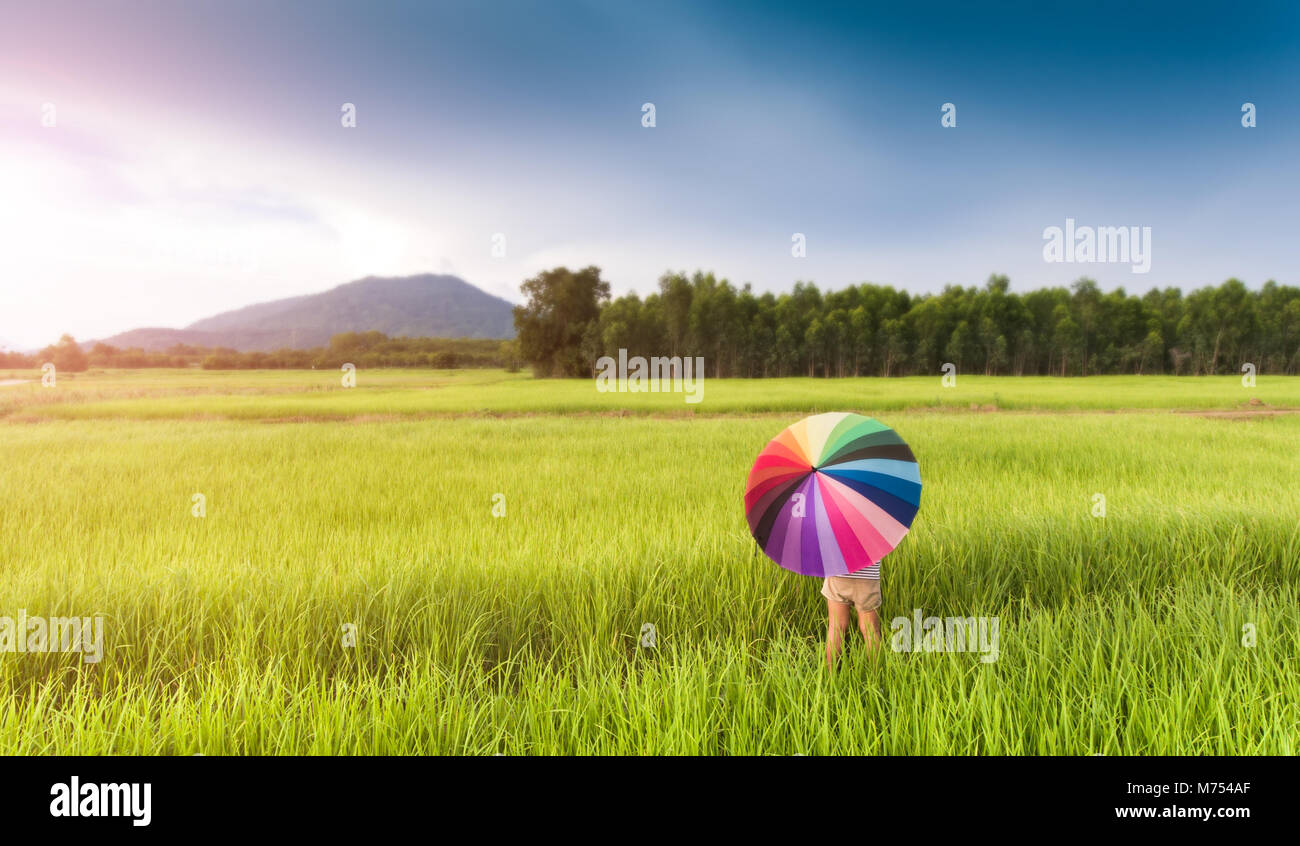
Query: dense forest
{"points": [[871, 330]]}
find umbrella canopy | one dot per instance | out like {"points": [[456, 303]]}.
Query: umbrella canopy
{"points": [[832, 494]]}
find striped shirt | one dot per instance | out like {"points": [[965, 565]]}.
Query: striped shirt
{"points": [[871, 571]]}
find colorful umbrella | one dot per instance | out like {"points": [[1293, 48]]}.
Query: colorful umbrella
{"points": [[832, 494]]}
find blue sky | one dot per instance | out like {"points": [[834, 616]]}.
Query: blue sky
{"points": [[198, 163]]}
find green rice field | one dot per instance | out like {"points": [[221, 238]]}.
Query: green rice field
{"points": [[349, 590]]}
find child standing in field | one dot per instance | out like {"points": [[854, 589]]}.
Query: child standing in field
{"points": [[860, 590]]}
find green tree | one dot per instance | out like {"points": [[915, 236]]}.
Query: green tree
{"points": [[563, 311], [1067, 337], [508, 352], [675, 296], [67, 355]]}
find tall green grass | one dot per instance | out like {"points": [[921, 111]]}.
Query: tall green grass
{"points": [[319, 395], [520, 634]]}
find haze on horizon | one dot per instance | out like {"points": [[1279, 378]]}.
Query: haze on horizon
{"points": [[198, 163]]}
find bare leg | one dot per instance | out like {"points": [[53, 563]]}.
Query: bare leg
{"points": [[835, 629], [869, 625]]}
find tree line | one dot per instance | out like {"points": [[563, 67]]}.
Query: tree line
{"points": [[364, 349], [570, 320]]}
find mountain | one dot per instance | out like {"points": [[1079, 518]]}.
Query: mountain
{"points": [[425, 306]]}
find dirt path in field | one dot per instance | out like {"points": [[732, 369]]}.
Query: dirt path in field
{"points": [[4, 383], [1241, 414]]}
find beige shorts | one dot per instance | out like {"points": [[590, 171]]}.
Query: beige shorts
{"points": [[863, 594]]}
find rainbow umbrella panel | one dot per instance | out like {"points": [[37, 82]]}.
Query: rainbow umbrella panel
{"points": [[832, 494]]}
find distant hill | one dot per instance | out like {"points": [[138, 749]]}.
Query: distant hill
{"points": [[425, 306]]}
